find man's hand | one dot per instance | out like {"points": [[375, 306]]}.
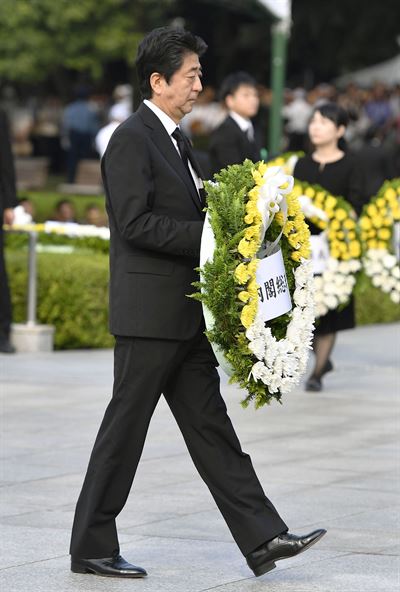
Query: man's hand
{"points": [[8, 216]]}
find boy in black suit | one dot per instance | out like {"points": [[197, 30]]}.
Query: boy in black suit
{"points": [[236, 139]]}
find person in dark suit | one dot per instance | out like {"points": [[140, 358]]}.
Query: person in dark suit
{"points": [[236, 138], [374, 164], [155, 206], [8, 201]]}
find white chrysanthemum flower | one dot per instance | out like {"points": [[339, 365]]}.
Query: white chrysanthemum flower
{"points": [[389, 260], [257, 346], [395, 296]]}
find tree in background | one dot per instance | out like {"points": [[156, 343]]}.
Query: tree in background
{"points": [[39, 38]]}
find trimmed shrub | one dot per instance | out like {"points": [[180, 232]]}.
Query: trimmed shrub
{"points": [[73, 292], [372, 305], [72, 295], [20, 240]]}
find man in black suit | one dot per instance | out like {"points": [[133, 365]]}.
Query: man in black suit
{"points": [[155, 207], [8, 201], [236, 138]]}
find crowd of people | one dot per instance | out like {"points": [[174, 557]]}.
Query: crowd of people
{"points": [[81, 128]]}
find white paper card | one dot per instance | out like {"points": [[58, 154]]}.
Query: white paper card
{"points": [[319, 252], [273, 292]]}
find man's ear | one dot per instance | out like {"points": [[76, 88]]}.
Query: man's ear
{"points": [[156, 82], [229, 102], [341, 130]]}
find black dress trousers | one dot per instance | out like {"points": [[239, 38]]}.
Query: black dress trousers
{"points": [[185, 372]]}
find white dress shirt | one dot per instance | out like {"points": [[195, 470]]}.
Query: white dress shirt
{"points": [[171, 126], [245, 124]]}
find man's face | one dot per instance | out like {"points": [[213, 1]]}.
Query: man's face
{"points": [[244, 101], [177, 97]]}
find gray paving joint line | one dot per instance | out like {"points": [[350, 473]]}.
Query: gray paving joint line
{"points": [[33, 562]]}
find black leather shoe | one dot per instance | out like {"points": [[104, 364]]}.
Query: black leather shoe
{"points": [[283, 546], [314, 384], [115, 567]]}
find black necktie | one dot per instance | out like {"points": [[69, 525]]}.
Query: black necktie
{"points": [[185, 152]]}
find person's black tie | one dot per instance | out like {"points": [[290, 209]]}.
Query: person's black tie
{"points": [[184, 150]]}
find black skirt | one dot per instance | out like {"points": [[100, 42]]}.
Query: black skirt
{"points": [[336, 320]]}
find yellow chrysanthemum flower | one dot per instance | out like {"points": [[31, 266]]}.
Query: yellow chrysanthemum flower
{"points": [[296, 256], [244, 296], [310, 192], [330, 202], [355, 248], [262, 167], [341, 214], [372, 210], [377, 221], [245, 248], [251, 207], [384, 233], [365, 223], [252, 288], [246, 317], [252, 232], [297, 191], [390, 193], [252, 267], [242, 273], [349, 224]]}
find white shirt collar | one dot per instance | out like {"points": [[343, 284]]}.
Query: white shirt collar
{"points": [[243, 123], [171, 126], [165, 119]]}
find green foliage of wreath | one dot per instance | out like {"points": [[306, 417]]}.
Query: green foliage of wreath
{"points": [[218, 289]]}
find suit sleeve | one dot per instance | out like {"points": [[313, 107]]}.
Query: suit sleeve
{"points": [[8, 195], [128, 180], [224, 150]]}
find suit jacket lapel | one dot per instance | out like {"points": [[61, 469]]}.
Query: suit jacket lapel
{"points": [[167, 149]]}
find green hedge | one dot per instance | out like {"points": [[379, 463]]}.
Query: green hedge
{"points": [[72, 296], [19, 240], [372, 305]]}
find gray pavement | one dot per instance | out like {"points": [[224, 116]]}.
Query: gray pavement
{"points": [[326, 460]]}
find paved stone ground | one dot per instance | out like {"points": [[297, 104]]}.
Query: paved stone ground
{"points": [[327, 459]]}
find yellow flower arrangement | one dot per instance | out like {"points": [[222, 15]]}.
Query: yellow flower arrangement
{"points": [[339, 222], [378, 217], [286, 161], [294, 228], [381, 254]]}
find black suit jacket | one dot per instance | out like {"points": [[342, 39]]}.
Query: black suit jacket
{"points": [[230, 145], [156, 221], [8, 197]]}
